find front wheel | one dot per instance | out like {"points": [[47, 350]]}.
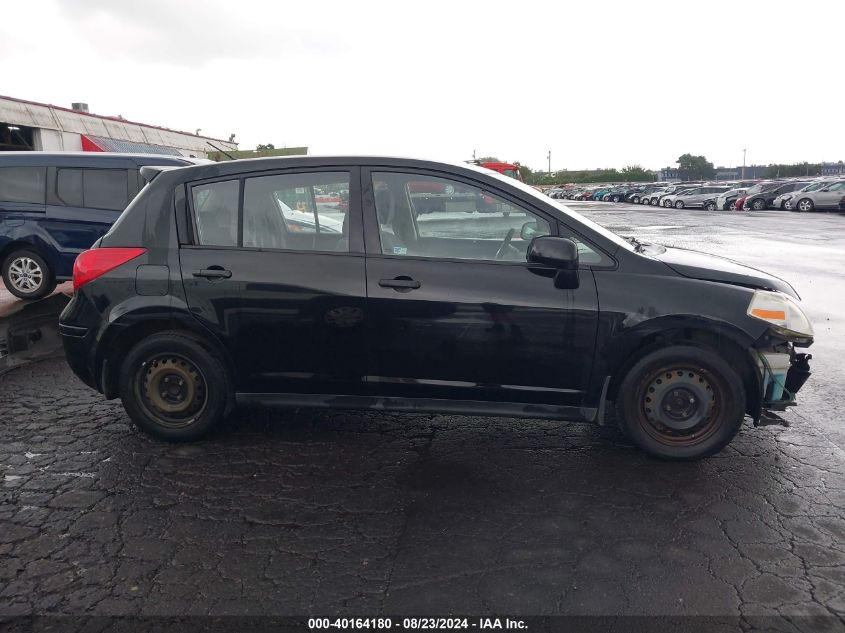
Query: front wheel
{"points": [[710, 206], [27, 276], [636, 200], [679, 204], [805, 205], [681, 403], [759, 204], [174, 387], [615, 198]]}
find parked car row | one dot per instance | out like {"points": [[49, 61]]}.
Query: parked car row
{"points": [[794, 195]]}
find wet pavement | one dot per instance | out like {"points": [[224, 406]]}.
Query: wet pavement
{"points": [[302, 512]]}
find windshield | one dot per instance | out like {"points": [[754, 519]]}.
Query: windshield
{"points": [[577, 217]]}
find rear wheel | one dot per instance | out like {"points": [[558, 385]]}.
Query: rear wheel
{"points": [[636, 200], [615, 198], [174, 387], [710, 206], [682, 403], [759, 204], [27, 276]]}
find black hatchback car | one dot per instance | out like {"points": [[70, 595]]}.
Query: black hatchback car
{"points": [[316, 282]]}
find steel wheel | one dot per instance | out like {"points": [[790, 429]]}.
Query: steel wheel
{"points": [[172, 389], [679, 406], [26, 275]]}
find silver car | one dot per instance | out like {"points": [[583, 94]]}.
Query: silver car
{"points": [[696, 197], [826, 197]]}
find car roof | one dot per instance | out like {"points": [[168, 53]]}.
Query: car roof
{"points": [[90, 159], [249, 165]]}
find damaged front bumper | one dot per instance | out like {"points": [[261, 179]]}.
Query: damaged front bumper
{"points": [[782, 371]]}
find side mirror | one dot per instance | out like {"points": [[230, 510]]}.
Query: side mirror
{"points": [[528, 230], [560, 253], [826, 189]]}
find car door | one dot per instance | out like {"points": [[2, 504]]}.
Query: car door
{"points": [[455, 311], [828, 197], [277, 270]]}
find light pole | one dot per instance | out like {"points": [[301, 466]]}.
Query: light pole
{"points": [[743, 164], [550, 162]]}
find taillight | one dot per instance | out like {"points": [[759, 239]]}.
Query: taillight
{"points": [[97, 262]]}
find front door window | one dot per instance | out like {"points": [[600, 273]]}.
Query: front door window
{"points": [[426, 216]]}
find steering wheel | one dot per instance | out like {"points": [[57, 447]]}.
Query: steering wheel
{"points": [[500, 254]]}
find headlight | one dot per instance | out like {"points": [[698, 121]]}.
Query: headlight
{"points": [[782, 311]]}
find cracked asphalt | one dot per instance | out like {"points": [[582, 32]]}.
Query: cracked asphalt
{"points": [[287, 512]]}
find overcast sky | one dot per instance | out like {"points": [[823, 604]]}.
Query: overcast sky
{"points": [[599, 83]]}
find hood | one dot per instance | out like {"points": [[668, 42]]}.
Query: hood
{"points": [[696, 265]]}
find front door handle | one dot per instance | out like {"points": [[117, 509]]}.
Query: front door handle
{"points": [[215, 272], [400, 284]]}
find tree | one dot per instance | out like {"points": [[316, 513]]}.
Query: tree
{"points": [[798, 169], [267, 146], [637, 173], [524, 171], [488, 159], [691, 167]]}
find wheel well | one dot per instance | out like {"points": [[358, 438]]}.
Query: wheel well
{"points": [[731, 351], [13, 246], [118, 347]]}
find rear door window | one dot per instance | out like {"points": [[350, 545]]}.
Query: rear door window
{"points": [[23, 184], [304, 211], [106, 189], [93, 188]]}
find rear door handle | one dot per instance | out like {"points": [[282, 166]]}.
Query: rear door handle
{"points": [[402, 283], [213, 273]]}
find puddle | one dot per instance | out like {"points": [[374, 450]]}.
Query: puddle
{"points": [[30, 331]]}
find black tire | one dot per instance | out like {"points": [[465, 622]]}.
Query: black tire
{"points": [[635, 200], [679, 204], [681, 377], [34, 285], [806, 203], [615, 198], [710, 206], [194, 382], [758, 204]]}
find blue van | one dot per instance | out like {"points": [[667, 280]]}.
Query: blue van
{"points": [[53, 206]]}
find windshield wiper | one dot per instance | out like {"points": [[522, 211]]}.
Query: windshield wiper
{"points": [[638, 246]]}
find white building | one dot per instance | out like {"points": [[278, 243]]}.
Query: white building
{"points": [[27, 125]]}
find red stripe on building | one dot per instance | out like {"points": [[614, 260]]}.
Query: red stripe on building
{"points": [[89, 146]]}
